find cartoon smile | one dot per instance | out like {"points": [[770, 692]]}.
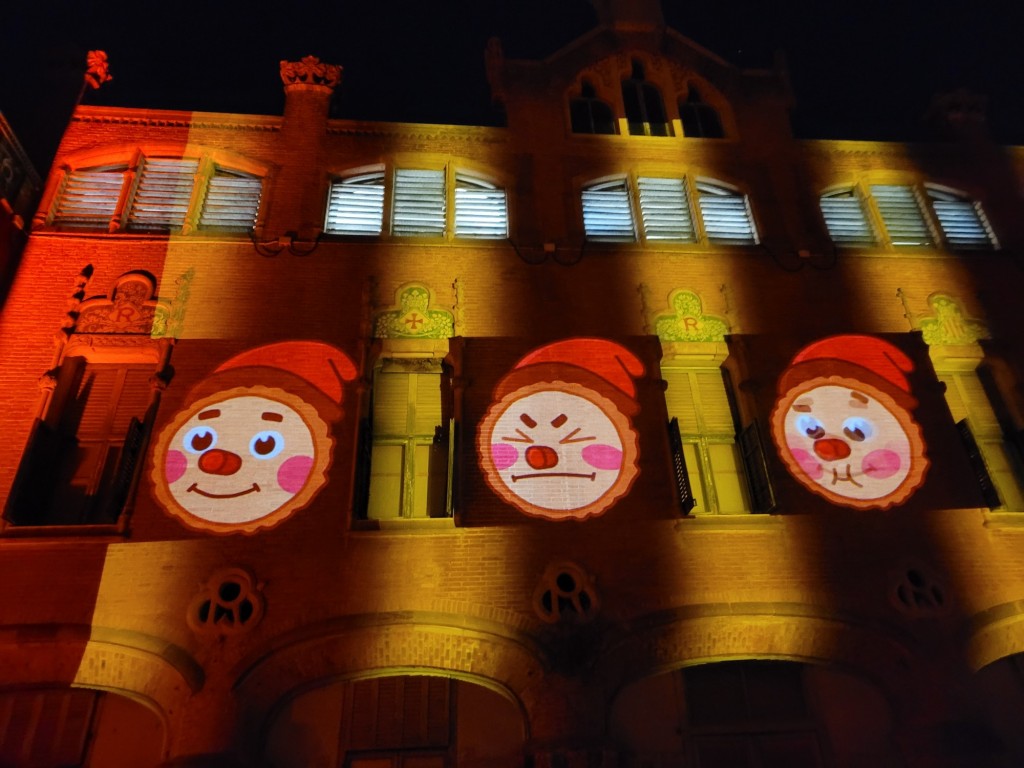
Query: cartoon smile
{"points": [[196, 489], [592, 476]]}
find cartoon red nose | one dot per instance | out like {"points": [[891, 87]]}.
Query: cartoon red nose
{"points": [[541, 457], [218, 462], [831, 448]]}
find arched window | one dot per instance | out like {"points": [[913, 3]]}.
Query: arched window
{"points": [[588, 114], [645, 111], [699, 119]]}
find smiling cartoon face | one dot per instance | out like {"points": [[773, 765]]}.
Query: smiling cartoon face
{"points": [[849, 442], [241, 460], [558, 450]]}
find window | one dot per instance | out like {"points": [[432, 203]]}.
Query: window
{"points": [[425, 202], [409, 449], [158, 195], [588, 114], [645, 111], [905, 215], [82, 457], [699, 119], [665, 208]]}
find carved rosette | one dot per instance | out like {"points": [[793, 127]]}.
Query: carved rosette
{"points": [[310, 71]]}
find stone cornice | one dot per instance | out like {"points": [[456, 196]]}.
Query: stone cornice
{"points": [[427, 131], [164, 118]]}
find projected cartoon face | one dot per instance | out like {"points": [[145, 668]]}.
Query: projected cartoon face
{"points": [[241, 459], [849, 442], [558, 450]]}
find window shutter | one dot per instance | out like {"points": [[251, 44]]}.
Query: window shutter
{"points": [[481, 209], [902, 214], [419, 206], [752, 448], [606, 211], [356, 205], [89, 198], [665, 209], [845, 218], [163, 194], [726, 215], [232, 201], [686, 498], [962, 221], [985, 484]]}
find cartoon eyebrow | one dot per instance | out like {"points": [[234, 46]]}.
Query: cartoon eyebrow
{"points": [[570, 438], [525, 418], [523, 438], [271, 416], [559, 420], [804, 406], [213, 413], [857, 400]]}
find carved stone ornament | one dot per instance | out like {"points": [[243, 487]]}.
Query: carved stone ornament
{"points": [[97, 70], [688, 321], [310, 71], [413, 318], [129, 309], [230, 602], [949, 326]]}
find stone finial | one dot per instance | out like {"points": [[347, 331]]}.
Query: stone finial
{"points": [[97, 69], [310, 71]]}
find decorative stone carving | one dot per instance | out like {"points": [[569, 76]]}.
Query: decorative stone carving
{"points": [[129, 309], [413, 318], [919, 594], [230, 602], [97, 70], [310, 71], [565, 593], [169, 321], [688, 321], [949, 326]]}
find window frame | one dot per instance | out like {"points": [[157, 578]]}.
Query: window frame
{"points": [[454, 173], [925, 195], [701, 239], [131, 166]]}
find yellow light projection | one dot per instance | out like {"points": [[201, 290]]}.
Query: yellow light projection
{"points": [[558, 441], [843, 423], [253, 445]]}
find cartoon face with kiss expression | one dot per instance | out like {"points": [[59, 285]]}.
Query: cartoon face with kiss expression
{"points": [[558, 442], [843, 423], [246, 457]]}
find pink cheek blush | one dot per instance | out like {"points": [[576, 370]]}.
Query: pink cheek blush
{"points": [[602, 456], [808, 463], [294, 472], [504, 455], [174, 466], [881, 463]]}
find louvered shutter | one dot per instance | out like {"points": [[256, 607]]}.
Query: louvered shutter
{"points": [[902, 214], [607, 214], [232, 201], [665, 209], [962, 221], [726, 215], [163, 194], [356, 205], [845, 218], [89, 198], [481, 209], [419, 204]]}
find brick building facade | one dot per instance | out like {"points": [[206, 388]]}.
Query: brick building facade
{"points": [[336, 443]]}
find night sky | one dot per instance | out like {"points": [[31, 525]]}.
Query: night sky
{"points": [[863, 70]]}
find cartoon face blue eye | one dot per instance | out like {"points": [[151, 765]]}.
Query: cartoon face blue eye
{"points": [[858, 429], [810, 426], [199, 439], [266, 444]]}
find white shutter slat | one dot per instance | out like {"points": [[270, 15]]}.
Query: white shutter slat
{"points": [[962, 221], [845, 219], [89, 198], [481, 209], [665, 209], [163, 194], [232, 201], [607, 214], [726, 215], [356, 205], [419, 203], [902, 214]]}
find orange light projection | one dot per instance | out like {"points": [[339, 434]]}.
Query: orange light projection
{"points": [[558, 441], [253, 445], [843, 423]]}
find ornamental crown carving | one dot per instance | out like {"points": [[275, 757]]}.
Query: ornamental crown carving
{"points": [[129, 309], [413, 317], [688, 321], [310, 71], [949, 325]]}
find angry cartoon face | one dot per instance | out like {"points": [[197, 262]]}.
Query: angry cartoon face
{"points": [[242, 459], [558, 450], [849, 442]]}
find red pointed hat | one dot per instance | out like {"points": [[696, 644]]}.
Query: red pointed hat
{"points": [[868, 352], [601, 357], [322, 366]]}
